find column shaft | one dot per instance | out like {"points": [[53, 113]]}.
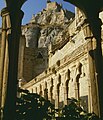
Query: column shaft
{"points": [[3, 55], [95, 104], [9, 61], [56, 99]]}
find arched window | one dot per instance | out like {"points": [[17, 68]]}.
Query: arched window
{"points": [[77, 85]]}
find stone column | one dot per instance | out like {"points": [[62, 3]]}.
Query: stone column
{"points": [[57, 97], [77, 90], [65, 96], [49, 93], [89, 97], [57, 91], [92, 70], [5, 75], [66, 90], [9, 61], [66, 86], [6, 30]]}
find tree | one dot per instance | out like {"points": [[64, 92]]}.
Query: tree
{"points": [[32, 106], [74, 112]]}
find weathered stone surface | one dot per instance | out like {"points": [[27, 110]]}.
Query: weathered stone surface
{"points": [[49, 35], [50, 26], [53, 20], [68, 65], [31, 35], [53, 14]]}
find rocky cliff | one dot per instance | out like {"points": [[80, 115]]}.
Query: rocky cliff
{"points": [[48, 26]]}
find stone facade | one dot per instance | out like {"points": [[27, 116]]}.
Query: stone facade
{"points": [[38, 36], [66, 40]]}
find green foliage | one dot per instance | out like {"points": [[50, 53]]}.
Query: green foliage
{"points": [[73, 111], [31, 106]]}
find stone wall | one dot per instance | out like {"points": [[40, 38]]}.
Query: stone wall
{"points": [[38, 35], [63, 77], [68, 71]]}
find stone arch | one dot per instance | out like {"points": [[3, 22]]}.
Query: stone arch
{"points": [[79, 69], [57, 92], [67, 81], [66, 87], [77, 84], [58, 86], [51, 90], [79, 89]]}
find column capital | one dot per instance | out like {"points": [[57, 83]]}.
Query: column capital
{"points": [[6, 23], [86, 30], [4, 12]]}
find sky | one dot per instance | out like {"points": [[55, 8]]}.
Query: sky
{"points": [[34, 6]]}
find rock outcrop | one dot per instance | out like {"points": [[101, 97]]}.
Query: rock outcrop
{"points": [[48, 26]]}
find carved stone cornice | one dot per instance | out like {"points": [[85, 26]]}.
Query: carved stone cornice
{"points": [[78, 53]]}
